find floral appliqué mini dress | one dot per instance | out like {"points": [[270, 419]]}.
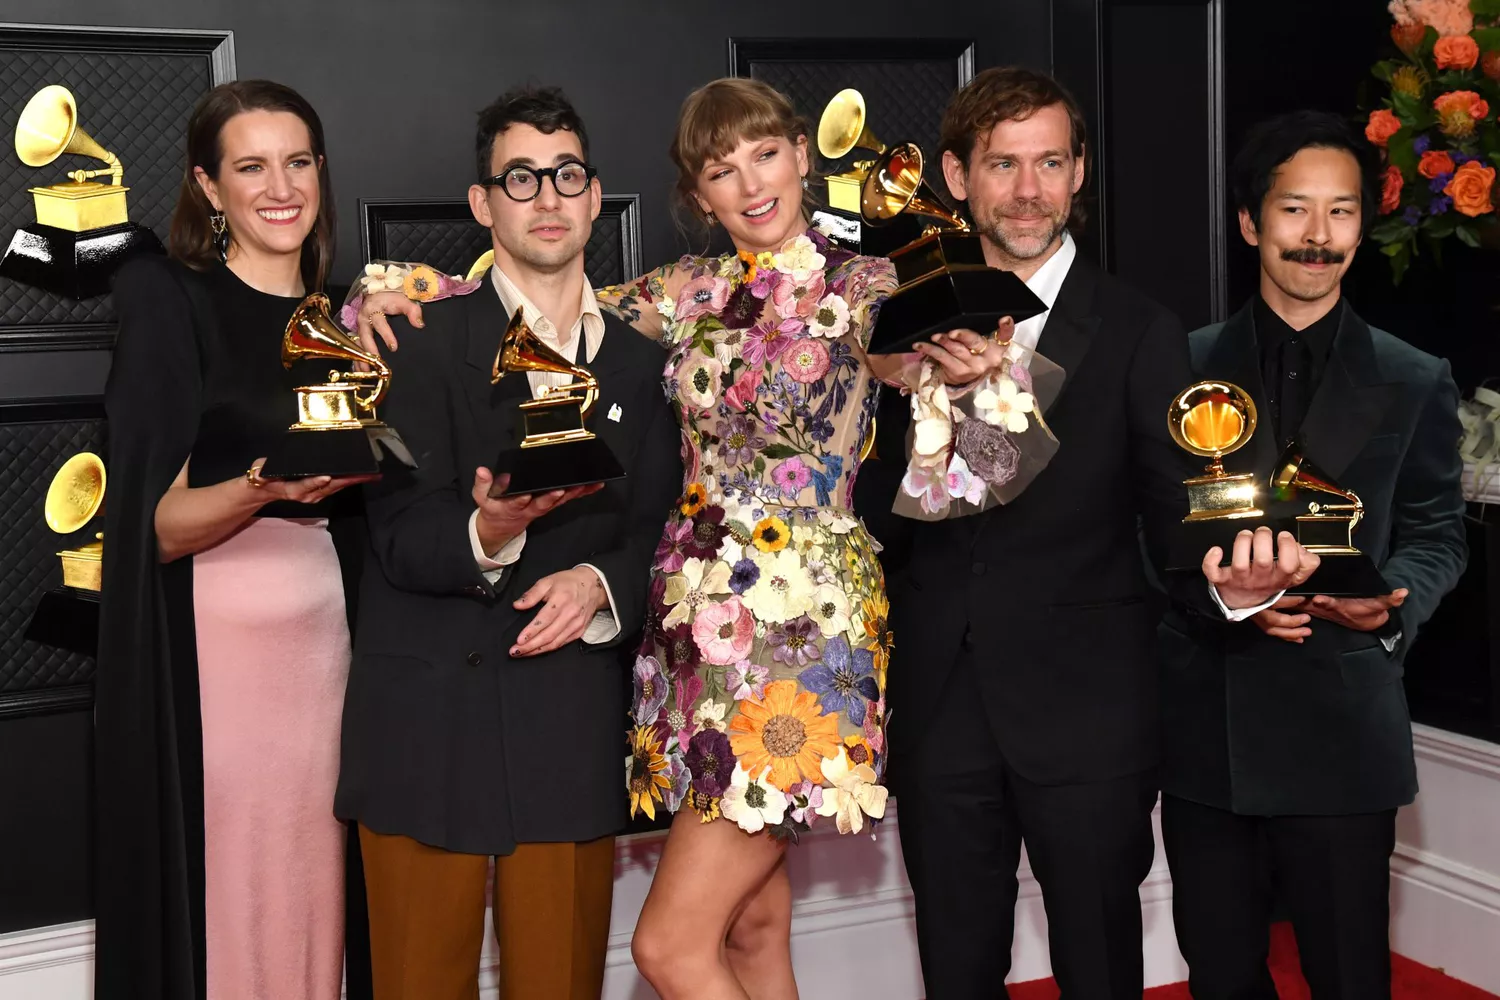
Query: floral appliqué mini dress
{"points": [[760, 685]]}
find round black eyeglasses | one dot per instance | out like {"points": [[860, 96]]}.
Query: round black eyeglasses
{"points": [[570, 180]]}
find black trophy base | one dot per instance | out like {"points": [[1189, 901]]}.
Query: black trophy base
{"points": [[556, 467], [67, 618], [75, 265], [972, 298], [354, 452], [1344, 576]]}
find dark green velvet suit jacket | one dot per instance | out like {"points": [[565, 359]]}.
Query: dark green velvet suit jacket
{"points": [[1267, 727]]}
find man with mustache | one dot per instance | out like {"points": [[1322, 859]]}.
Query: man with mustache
{"points": [[1023, 699], [1287, 741]]}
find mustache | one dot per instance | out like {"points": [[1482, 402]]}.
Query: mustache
{"points": [[1030, 206], [1314, 255]]}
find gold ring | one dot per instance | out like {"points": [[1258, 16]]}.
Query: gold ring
{"points": [[252, 476], [976, 351]]}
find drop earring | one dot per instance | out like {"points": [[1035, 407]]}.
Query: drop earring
{"points": [[220, 227]]}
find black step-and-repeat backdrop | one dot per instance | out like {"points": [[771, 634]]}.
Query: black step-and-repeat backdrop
{"points": [[397, 89]]}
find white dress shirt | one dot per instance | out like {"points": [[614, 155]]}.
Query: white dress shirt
{"points": [[590, 326]]}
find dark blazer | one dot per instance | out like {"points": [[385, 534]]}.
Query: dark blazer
{"points": [[1049, 591], [1266, 727], [446, 738]]}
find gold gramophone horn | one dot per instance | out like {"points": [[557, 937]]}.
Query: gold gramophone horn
{"points": [[76, 494], [895, 185], [312, 333], [521, 350], [1212, 419], [842, 126], [1295, 474], [48, 128]]}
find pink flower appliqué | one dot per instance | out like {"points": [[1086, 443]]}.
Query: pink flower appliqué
{"points": [[798, 298], [806, 360], [701, 295], [724, 632], [792, 476], [764, 344], [742, 393], [669, 551]]}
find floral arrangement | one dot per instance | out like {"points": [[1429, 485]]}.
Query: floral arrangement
{"points": [[1438, 126], [970, 450], [417, 282]]}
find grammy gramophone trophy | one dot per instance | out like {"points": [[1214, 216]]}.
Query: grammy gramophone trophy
{"points": [[1326, 528], [1213, 419], [557, 450], [337, 432], [945, 283], [68, 616], [83, 229]]}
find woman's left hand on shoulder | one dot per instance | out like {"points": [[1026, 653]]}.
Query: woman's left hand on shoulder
{"points": [[963, 356]]}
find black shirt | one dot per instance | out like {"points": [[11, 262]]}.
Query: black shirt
{"points": [[1292, 363]]}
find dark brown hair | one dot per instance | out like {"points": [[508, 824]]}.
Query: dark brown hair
{"points": [[545, 109], [717, 117], [192, 238], [1010, 93]]}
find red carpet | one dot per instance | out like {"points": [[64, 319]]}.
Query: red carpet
{"points": [[1409, 981]]}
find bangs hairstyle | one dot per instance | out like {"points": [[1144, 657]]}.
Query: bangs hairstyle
{"points": [[1012, 93], [191, 239], [720, 115]]}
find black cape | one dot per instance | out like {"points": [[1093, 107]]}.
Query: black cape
{"points": [[148, 740]]}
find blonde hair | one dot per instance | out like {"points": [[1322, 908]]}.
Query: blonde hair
{"points": [[717, 117]]}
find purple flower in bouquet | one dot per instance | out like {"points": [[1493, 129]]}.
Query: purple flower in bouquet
{"points": [[1412, 215], [991, 454], [1440, 205], [1439, 182], [1421, 144]]}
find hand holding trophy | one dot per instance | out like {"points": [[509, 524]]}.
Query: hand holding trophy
{"points": [[337, 432], [982, 447]]}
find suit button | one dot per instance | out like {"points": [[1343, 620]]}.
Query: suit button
{"points": [[475, 659], [977, 569]]}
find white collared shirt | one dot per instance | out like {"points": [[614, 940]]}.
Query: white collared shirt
{"points": [[590, 325], [1045, 285]]}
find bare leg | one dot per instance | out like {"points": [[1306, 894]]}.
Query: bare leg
{"points": [[707, 876], [759, 948]]}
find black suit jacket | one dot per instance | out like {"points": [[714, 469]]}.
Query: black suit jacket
{"points": [[1050, 589], [447, 739], [1267, 727]]}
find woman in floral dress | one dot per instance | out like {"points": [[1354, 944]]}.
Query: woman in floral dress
{"points": [[760, 685]]}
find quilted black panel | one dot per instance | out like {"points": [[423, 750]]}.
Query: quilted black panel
{"points": [[30, 453], [135, 105], [449, 239], [904, 100]]}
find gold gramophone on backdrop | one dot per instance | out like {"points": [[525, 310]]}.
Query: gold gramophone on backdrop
{"points": [[557, 450], [74, 498], [337, 432], [83, 229], [944, 281]]}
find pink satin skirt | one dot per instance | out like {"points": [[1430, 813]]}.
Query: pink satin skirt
{"points": [[273, 658]]}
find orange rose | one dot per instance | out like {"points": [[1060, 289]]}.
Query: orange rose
{"points": [[1456, 52], [1463, 100], [1383, 125], [1435, 163], [1390, 194], [1490, 65], [1470, 189]]}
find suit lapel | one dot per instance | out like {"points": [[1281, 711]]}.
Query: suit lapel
{"points": [[1071, 324], [1350, 400], [1234, 357]]}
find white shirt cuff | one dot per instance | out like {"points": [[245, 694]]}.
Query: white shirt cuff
{"points": [[1240, 614], [1390, 642], [509, 553], [605, 625]]}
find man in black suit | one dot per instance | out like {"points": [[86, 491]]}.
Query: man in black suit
{"points": [[485, 713], [1023, 687], [1287, 741]]}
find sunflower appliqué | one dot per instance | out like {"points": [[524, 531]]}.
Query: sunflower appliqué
{"points": [[422, 284], [787, 732], [694, 499], [643, 771]]}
